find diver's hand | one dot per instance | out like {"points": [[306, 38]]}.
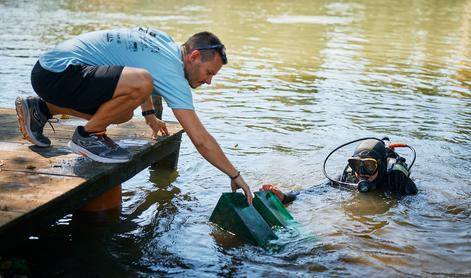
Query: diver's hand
{"points": [[156, 125], [240, 183], [275, 190]]}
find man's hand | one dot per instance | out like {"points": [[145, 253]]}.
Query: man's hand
{"points": [[275, 190], [156, 125], [240, 183]]}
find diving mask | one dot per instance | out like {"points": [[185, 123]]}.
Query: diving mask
{"points": [[363, 166]]}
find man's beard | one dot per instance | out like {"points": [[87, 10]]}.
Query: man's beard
{"points": [[188, 79]]}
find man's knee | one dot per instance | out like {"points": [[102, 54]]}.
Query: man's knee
{"points": [[128, 116], [138, 83], [145, 81]]}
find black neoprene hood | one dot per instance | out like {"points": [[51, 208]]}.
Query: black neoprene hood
{"points": [[373, 149]]}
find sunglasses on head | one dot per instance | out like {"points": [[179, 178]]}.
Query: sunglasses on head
{"points": [[363, 166], [220, 48]]}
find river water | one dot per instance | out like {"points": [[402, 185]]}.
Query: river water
{"points": [[303, 77]]}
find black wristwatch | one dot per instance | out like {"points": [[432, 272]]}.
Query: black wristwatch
{"points": [[236, 176], [148, 112]]}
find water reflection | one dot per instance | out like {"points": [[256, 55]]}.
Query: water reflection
{"points": [[368, 205]]}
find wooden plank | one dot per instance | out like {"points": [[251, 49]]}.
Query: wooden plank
{"points": [[6, 216], [42, 184]]}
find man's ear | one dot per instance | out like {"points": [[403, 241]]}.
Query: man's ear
{"points": [[194, 55]]}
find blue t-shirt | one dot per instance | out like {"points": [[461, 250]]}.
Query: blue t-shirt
{"points": [[149, 49]]}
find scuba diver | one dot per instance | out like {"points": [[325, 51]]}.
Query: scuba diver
{"points": [[374, 166]]}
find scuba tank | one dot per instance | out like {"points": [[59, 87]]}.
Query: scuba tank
{"points": [[398, 174], [396, 162], [388, 161]]}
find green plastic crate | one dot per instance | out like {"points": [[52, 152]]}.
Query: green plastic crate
{"points": [[234, 214], [272, 210]]}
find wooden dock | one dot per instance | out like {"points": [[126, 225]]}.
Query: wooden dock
{"points": [[40, 185]]}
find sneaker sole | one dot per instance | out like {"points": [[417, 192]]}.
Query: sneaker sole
{"points": [[22, 110], [84, 152]]}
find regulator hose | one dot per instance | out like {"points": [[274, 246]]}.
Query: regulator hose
{"points": [[401, 145], [336, 149]]}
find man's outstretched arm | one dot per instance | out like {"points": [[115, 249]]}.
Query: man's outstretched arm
{"points": [[210, 149]]}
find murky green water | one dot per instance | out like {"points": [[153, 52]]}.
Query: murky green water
{"points": [[303, 77]]}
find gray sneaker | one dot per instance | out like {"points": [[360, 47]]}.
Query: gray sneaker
{"points": [[98, 147], [31, 120]]}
